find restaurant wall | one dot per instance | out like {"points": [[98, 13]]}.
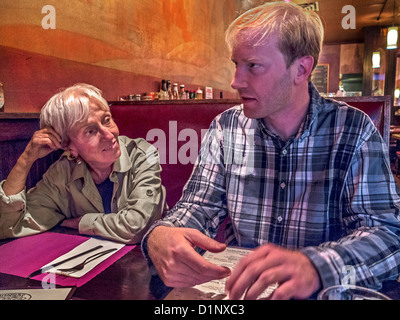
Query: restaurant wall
{"points": [[123, 47], [342, 59]]}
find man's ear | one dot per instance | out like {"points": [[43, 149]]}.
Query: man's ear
{"points": [[304, 68]]}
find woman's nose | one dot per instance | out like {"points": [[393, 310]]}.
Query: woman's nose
{"points": [[107, 133]]}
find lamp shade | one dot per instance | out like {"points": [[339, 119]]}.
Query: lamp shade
{"points": [[392, 37], [376, 59]]}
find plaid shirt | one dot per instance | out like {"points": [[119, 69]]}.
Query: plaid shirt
{"points": [[328, 191]]}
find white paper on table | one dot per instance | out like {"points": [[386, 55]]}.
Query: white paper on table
{"points": [[87, 245], [215, 289], [35, 294]]}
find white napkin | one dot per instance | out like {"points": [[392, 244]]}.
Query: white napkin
{"points": [[91, 243]]}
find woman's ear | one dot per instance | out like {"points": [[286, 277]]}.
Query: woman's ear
{"points": [[72, 150], [304, 68]]}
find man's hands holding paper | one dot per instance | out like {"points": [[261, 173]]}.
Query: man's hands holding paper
{"points": [[269, 264], [179, 265]]}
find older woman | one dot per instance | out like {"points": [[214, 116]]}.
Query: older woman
{"points": [[104, 184]]}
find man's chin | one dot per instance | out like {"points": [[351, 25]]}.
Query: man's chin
{"points": [[251, 114]]}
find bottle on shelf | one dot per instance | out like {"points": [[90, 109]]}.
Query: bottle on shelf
{"points": [[163, 94], [1, 97], [175, 92], [169, 90], [182, 92], [199, 94]]}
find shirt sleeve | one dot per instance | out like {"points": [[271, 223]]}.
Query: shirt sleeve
{"points": [[35, 211], [203, 202], [369, 250], [140, 204]]}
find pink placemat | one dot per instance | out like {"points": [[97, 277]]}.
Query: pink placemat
{"points": [[22, 256]]}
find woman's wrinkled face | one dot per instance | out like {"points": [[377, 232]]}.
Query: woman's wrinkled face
{"points": [[96, 139]]}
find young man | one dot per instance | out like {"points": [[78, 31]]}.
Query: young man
{"points": [[304, 180]]}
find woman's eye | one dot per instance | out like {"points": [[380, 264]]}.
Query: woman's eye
{"points": [[90, 131]]}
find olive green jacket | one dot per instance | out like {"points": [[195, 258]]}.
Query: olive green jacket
{"points": [[67, 191]]}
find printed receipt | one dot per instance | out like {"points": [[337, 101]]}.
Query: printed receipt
{"points": [[215, 289]]}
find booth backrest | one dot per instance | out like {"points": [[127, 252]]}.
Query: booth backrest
{"points": [[175, 128]]}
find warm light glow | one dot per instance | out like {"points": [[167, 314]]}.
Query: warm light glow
{"points": [[397, 93], [392, 38], [376, 59]]}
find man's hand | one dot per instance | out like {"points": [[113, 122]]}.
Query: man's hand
{"points": [[178, 264], [269, 264]]}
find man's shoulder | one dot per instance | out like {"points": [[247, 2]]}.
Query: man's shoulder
{"points": [[332, 105], [344, 119]]}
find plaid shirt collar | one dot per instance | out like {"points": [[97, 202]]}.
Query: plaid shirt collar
{"points": [[306, 125]]}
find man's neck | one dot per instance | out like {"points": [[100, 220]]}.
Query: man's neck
{"points": [[287, 122]]}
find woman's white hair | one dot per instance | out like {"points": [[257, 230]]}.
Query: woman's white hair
{"points": [[70, 106]]}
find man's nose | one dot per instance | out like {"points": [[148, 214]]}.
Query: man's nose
{"points": [[239, 81]]}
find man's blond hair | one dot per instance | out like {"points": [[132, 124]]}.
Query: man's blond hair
{"points": [[300, 33]]}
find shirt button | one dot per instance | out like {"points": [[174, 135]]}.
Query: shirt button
{"points": [[284, 152], [283, 185], [280, 219]]}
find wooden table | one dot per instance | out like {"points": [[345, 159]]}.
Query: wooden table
{"points": [[128, 278]]}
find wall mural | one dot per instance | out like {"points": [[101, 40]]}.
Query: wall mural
{"points": [[182, 40]]}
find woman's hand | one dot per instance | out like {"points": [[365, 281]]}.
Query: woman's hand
{"points": [[71, 223], [41, 144]]}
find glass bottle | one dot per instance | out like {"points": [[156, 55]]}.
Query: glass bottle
{"points": [[182, 92], [175, 92], [169, 91], [199, 94], [163, 95]]}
